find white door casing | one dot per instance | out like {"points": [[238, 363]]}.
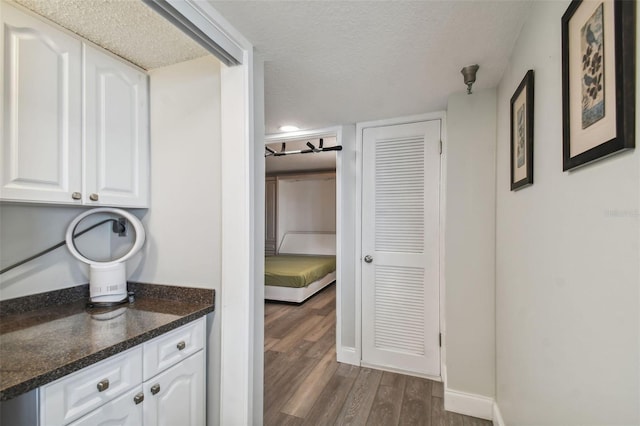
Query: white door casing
{"points": [[400, 231]]}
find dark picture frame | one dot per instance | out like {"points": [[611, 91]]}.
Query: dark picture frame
{"points": [[598, 80], [522, 133]]}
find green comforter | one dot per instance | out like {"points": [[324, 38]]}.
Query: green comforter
{"points": [[296, 270]]}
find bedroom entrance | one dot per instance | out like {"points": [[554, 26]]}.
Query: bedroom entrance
{"points": [[302, 270]]}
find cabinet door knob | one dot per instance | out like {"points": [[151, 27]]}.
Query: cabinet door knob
{"points": [[76, 195], [93, 197], [368, 259], [181, 345], [155, 389], [103, 385], [138, 398]]}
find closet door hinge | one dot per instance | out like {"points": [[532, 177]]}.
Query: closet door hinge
{"points": [[440, 339], [440, 147]]}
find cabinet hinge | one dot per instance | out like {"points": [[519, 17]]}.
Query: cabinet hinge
{"points": [[440, 339], [440, 147]]}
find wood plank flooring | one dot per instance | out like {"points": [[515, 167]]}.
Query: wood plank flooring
{"points": [[304, 385]]}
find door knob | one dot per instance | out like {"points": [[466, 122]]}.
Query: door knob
{"points": [[368, 259], [94, 197]]}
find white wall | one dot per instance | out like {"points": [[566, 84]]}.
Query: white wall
{"points": [[567, 277], [346, 161], [470, 242], [306, 203], [27, 229], [183, 222]]}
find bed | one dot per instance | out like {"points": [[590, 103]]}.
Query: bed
{"points": [[304, 265]]}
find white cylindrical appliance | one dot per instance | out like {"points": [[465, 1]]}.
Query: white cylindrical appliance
{"points": [[107, 280]]}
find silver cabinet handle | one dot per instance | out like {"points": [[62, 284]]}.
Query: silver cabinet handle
{"points": [[138, 398], [368, 259], [103, 385], [181, 345], [155, 389], [93, 197], [76, 195]]}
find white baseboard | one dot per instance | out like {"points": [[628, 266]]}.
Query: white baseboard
{"points": [[348, 355], [468, 404], [497, 415]]}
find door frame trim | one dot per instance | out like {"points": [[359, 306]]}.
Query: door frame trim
{"points": [[336, 132], [360, 127]]}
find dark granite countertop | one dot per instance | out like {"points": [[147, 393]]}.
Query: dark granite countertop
{"points": [[41, 345]]}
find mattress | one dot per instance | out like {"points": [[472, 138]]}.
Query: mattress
{"points": [[296, 271]]}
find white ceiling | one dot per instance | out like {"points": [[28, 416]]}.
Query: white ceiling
{"points": [[339, 62], [127, 28]]}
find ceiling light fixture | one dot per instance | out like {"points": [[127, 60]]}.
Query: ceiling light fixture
{"points": [[289, 128], [469, 74]]}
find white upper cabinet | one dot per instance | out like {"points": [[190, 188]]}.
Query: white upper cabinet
{"points": [[74, 122], [42, 110], [116, 132]]}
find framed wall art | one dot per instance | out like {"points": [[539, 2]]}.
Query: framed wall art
{"points": [[522, 133], [598, 80]]}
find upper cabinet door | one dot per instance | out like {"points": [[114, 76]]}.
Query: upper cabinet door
{"points": [[41, 111], [116, 132]]}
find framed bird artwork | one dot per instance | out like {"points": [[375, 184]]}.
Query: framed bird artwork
{"points": [[598, 80]]}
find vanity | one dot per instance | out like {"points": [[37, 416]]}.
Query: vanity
{"points": [[143, 363]]}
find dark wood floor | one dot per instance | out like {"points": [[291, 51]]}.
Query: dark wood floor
{"points": [[304, 385]]}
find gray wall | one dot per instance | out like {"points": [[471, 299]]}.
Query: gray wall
{"points": [[259, 232], [26, 229], [470, 243], [567, 278]]}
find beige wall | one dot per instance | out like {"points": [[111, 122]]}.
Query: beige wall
{"points": [[567, 278], [306, 203], [470, 243], [183, 221]]}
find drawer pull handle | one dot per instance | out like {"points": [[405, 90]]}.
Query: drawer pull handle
{"points": [[103, 385], [155, 389], [138, 398], [181, 345]]}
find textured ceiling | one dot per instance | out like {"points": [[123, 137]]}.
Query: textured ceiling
{"points": [[338, 62], [301, 162], [127, 28]]}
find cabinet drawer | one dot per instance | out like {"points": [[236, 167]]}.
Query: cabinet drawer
{"points": [[122, 411], [172, 347], [73, 396]]}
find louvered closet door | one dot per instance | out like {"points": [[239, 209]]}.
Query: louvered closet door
{"points": [[400, 214]]}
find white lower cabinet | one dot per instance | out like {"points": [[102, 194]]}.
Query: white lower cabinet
{"points": [[113, 391], [176, 396]]}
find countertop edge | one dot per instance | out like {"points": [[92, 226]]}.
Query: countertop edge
{"points": [[55, 374]]}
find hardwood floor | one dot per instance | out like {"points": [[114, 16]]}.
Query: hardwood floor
{"points": [[304, 385]]}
